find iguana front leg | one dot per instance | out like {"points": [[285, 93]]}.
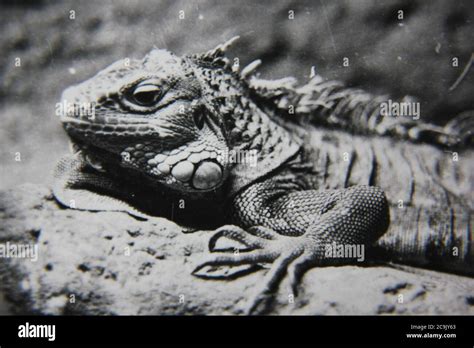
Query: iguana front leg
{"points": [[291, 229]]}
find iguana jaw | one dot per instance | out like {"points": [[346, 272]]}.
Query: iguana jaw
{"points": [[197, 166], [205, 176]]}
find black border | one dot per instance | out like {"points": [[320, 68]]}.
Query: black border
{"points": [[218, 330]]}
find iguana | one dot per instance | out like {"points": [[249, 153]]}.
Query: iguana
{"points": [[150, 131]]}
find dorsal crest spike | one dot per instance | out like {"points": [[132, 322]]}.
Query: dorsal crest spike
{"points": [[250, 68], [220, 49]]}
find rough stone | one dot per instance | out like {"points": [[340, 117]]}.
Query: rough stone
{"points": [[115, 264]]}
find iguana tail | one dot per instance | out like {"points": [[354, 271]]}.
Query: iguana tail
{"points": [[429, 237]]}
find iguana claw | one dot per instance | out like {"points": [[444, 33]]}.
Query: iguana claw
{"points": [[288, 255]]}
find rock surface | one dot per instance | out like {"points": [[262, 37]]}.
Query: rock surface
{"points": [[110, 263]]}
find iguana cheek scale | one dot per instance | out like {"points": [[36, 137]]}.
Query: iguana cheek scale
{"points": [[162, 126]]}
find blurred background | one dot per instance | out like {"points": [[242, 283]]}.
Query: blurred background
{"points": [[60, 43]]}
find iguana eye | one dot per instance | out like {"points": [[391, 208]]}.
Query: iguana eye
{"points": [[146, 95]]}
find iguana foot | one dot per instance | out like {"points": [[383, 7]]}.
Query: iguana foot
{"points": [[288, 255]]}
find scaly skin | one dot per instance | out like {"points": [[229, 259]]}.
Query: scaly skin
{"points": [[161, 128]]}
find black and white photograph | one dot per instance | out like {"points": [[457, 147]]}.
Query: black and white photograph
{"points": [[237, 158]]}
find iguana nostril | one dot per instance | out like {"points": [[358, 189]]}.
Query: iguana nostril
{"points": [[207, 175], [199, 120]]}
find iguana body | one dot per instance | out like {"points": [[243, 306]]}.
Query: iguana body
{"points": [[162, 127]]}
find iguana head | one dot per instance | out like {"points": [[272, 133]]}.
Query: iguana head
{"points": [[162, 116]]}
